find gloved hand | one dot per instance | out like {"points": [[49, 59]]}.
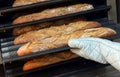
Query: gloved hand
{"points": [[96, 49]]}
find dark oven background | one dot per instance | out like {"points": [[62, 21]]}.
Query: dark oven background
{"points": [[118, 10]]}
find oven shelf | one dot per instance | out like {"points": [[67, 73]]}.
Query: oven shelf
{"points": [[96, 9], [9, 53], [10, 9], [68, 66]]}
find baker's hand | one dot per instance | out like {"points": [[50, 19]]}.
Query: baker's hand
{"points": [[96, 49]]}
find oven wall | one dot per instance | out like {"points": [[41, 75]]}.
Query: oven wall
{"points": [[112, 14], [0, 59], [118, 10]]}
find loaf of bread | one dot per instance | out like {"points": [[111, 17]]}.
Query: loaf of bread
{"points": [[47, 32], [26, 2], [48, 59], [53, 12], [62, 40], [22, 30]]}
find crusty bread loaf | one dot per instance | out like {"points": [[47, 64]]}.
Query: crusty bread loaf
{"points": [[53, 12], [48, 59], [21, 30], [47, 32], [26, 2], [62, 40]]}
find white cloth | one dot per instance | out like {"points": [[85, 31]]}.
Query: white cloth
{"points": [[96, 49]]}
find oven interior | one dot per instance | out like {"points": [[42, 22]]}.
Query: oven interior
{"points": [[12, 64]]}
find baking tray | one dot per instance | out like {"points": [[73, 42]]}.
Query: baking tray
{"points": [[96, 9], [64, 67], [12, 55], [13, 70], [6, 42], [9, 9], [9, 53]]}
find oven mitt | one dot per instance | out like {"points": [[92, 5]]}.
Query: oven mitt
{"points": [[96, 49]]}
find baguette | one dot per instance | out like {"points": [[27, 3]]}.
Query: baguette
{"points": [[48, 32], [26, 2], [21, 30], [48, 59], [62, 40], [53, 12]]}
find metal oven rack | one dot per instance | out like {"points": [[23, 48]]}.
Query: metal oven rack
{"points": [[13, 63]]}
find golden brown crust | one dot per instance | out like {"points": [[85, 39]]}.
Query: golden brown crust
{"points": [[62, 40], [21, 30], [48, 59], [26, 2], [57, 30], [53, 12]]}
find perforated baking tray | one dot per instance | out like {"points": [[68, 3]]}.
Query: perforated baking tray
{"points": [[96, 9], [9, 51]]}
